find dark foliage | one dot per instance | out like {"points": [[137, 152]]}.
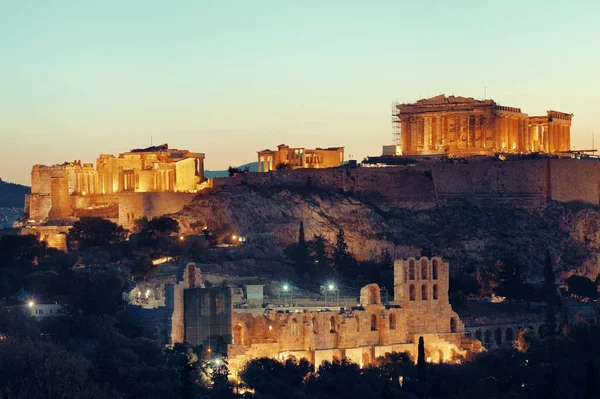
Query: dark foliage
{"points": [[95, 232]]}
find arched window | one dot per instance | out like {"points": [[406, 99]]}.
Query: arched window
{"points": [[424, 292], [435, 292], [412, 292], [373, 322], [452, 325], [488, 336], [423, 269], [498, 336], [332, 324], [411, 269], [315, 326], [357, 318], [509, 335], [478, 335], [392, 321], [294, 328], [434, 269]]}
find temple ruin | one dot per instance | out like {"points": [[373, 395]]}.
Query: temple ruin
{"points": [[143, 182], [295, 158], [464, 126], [366, 331]]}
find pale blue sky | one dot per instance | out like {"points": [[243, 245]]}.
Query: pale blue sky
{"points": [[228, 78]]}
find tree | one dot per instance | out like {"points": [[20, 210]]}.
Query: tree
{"points": [[341, 257], [319, 260], [385, 259], [232, 171], [510, 280], [591, 384], [94, 231], [550, 296], [302, 250], [421, 363], [582, 287], [163, 225], [141, 266]]}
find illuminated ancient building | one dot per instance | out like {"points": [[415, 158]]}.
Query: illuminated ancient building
{"points": [[364, 332], [300, 158], [464, 126], [145, 182]]}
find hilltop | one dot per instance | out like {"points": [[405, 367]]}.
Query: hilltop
{"points": [[467, 235], [12, 195]]}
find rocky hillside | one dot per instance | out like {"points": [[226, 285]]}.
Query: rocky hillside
{"points": [[466, 235]]}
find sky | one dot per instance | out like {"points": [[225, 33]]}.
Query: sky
{"points": [[229, 78]]}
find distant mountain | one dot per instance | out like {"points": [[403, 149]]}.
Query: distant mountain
{"points": [[252, 166], [12, 195]]}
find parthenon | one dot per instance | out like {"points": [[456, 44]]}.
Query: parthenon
{"points": [[465, 126]]}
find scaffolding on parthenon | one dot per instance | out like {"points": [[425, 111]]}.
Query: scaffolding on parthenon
{"points": [[396, 126]]}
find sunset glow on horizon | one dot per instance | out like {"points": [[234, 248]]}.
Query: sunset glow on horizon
{"points": [[230, 78]]}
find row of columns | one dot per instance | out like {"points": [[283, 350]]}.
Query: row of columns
{"points": [[265, 163], [430, 134]]}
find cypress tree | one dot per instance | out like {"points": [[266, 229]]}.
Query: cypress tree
{"points": [[550, 293], [302, 255], [591, 384], [421, 368], [340, 251]]}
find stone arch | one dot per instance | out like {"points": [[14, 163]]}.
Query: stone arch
{"points": [[239, 334], [423, 268], [370, 295], [509, 334], [478, 335], [435, 292], [392, 321], [452, 325], [487, 336], [424, 296], [315, 325], [412, 292], [434, 269], [332, 324], [357, 318], [294, 327], [411, 269], [373, 322], [498, 336]]}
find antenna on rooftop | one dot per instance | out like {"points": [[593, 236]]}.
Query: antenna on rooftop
{"points": [[484, 92], [150, 141]]}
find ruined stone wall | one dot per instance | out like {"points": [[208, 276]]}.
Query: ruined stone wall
{"points": [[185, 175], [133, 206]]}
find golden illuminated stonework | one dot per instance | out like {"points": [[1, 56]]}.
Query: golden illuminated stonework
{"points": [[465, 126]]}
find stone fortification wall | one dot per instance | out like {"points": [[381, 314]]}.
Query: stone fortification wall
{"points": [[404, 186], [518, 183], [574, 180], [521, 183], [132, 206]]}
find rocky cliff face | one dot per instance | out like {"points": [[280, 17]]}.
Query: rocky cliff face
{"points": [[466, 235]]}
